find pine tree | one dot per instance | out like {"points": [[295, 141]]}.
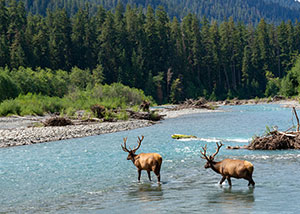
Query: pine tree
{"points": [[152, 54], [107, 56], [123, 49], [59, 40], [40, 45], [3, 18], [215, 54], [4, 51], [15, 32], [17, 53], [83, 40]]}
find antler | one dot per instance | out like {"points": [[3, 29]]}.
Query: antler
{"points": [[204, 152], [139, 143], [124, 147], [218, 148]]}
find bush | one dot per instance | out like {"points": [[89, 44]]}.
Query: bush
{"points": [[272, 88], [290, 84], [80, 78], [9, 107], [8, 88], [116, 96]]}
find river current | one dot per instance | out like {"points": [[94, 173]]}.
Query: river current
{"points": [[92, 175]]}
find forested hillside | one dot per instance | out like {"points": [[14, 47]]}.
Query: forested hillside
{"points": [[248, 11], [168, 59]]}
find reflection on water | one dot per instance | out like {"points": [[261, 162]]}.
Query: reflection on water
{"points": [[230, 200], [146, 192], [229, 194]]}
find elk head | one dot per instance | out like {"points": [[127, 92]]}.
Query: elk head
{"points": [[211, 158], [131, 152]]}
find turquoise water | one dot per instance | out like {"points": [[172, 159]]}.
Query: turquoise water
{"points": [[92, 175]]}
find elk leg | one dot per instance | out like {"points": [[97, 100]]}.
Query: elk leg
{"points": [[158, 178], [229, 181], [139, 174], [222, 180], [251, 182], [157, 173], [149, 175]]}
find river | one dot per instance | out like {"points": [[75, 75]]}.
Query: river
{"points": [[92, 175]]}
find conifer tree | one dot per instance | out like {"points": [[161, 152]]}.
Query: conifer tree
{"points": [[107, 56], [59, 40]]}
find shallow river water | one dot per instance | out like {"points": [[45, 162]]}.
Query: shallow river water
{"points": [[92, 175]]}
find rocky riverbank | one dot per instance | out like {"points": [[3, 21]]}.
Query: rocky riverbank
{"points": [[22, 135], [17, 131]]}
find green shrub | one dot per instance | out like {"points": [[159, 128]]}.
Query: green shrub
{"points": [[122, 115], [116, 96], [9, 107], [8, 88], [272, 88]]}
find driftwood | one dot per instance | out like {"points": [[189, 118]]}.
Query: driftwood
{"points": [[152, 115], [275, 140], [57, 121], [98, 110], [278, 139], [190, 103], [145, 106]]}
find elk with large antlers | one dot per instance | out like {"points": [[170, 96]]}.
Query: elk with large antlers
{"points": [[229, 167], [144, 161]]}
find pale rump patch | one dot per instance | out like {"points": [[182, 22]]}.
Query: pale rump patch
{"points": [[249, 165]]}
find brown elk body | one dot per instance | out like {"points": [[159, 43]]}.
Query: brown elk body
{"points": [[229, 167], [144, 161]]}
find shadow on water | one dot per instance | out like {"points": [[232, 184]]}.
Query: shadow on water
{"points": [[146, 192], [233, 196]]}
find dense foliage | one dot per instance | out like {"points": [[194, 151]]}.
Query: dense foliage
{"points": [[248, 11], [168, 59], [37, 92]]}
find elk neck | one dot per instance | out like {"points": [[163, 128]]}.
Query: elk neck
{"points": [[215, 166], [134, 158]]}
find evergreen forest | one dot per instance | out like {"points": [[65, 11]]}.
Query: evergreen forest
{"points": [[169, 59], [247, 11]]}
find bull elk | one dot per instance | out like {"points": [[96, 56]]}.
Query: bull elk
{"points": [[229, 167], [144, 161]]}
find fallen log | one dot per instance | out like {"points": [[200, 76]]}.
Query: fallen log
{"points": [[57, 121], [191, 103], [152, 115]]}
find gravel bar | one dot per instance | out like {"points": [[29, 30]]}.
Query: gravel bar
{"points": [[31, 135]]}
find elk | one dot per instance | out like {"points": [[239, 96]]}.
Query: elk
{"points": [[144, 161], [229, 167]]}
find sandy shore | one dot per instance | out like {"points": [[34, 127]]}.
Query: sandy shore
{"points": [[17, 131]]}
